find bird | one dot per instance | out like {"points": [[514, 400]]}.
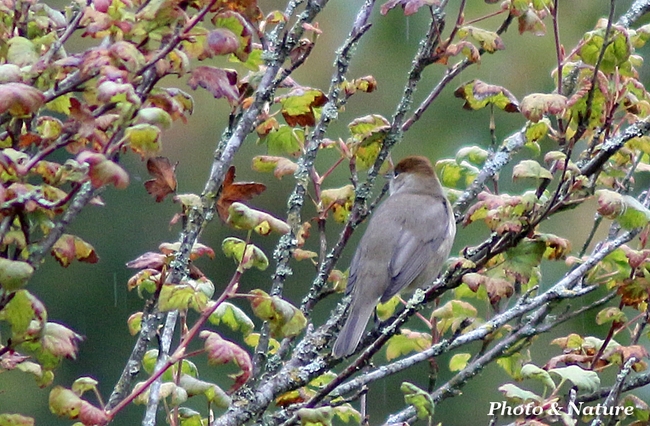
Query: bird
{"points": [[404, 247]]}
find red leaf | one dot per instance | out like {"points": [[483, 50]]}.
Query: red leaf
{"points": [[222, 83], [69, 247], [103, 171], [92, 416], [235, 191], [19, 99], [222, 41], [148, 260], [165, 178], [60, 340], [221, 351]]}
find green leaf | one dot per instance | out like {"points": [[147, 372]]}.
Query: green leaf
{"points": [[474, 154], [346, 413], [627, 211], [531, 371], [455, 174], [253, 340], [537, 105], [15, 420], [60, 104], [65, 403], [83, 384], [254, 257], [386, 310], [285, 319], [367, 128], [240, 216], [315, 416], [537, 131], [175, 297], [406, 342], [20, 311], [155, 116], [298, 106], [478, 94], [517, 395], [144, 139], [419, 399], [585, 380], [14, 274], [611, 314], [233, 317], [488, 40], [452, 314], [21, 52], [211, 391], [189, 417], [523, 258], [530, 169], [459, 361], [339, 201], [616, 53], [512, 364], [134, 322], [285, 140], [280, 166]]}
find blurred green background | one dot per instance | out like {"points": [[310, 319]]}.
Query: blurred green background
{"points": [[93, 300]]}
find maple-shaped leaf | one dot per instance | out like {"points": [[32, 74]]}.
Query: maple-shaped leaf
{"points": [[19, 99], [232, 192], [103, 171], [221, 351], [298, 106], [70, 247], [478, 94], [164, 182], [409, 6], [222, 83]]}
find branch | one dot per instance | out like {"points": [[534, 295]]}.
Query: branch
{"points": [[634, 383], [615, 392], [336, 100], [634, 13], [511, 145], [612, 145]]}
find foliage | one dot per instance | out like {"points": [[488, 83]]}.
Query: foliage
{"points": [[66, 120]]}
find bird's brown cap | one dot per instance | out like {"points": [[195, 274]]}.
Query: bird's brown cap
{"points": [[415, 164]]}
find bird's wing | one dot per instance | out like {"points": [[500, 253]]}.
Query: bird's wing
{"points": [[416, 246], [352, 275]]}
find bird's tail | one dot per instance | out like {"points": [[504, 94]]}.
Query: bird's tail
{"points": [[353, 329]]}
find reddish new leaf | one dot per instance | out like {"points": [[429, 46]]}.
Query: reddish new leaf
{"points": [[222, 41], [222, 83], [221, 351], [164, 182], [60, 341], [232, 192], [69, 247], [90, 415], [103, 171], [409, 6], [148, 260], [19, 99]]}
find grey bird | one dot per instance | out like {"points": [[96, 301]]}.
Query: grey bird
{"points": [[407, 242]]}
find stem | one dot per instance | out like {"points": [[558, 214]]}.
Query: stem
{"points": [[180, 351]]}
